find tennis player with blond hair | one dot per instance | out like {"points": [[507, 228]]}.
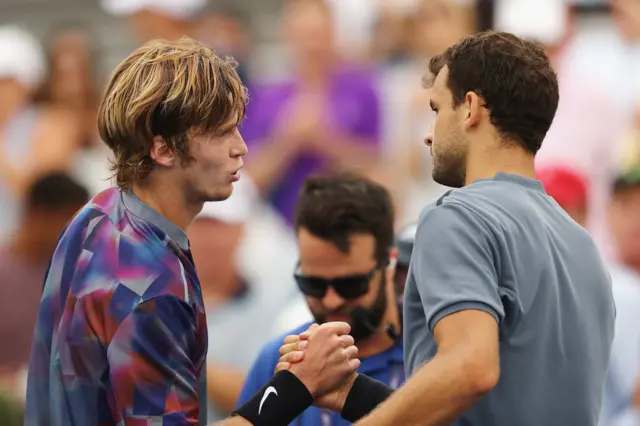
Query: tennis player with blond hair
{"points": [[121, 335]]}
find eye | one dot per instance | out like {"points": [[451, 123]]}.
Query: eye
{"points": [[433, 107]]}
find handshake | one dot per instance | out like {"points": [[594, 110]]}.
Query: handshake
{"points": [[317, 367], [324, 359]]}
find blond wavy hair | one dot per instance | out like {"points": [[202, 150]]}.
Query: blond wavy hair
{"points": [[176, 90]]}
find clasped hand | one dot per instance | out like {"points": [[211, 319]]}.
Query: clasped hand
{"points": [[334, 371]]}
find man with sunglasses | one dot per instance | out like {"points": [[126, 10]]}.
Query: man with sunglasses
{"points": [[344, 229]]}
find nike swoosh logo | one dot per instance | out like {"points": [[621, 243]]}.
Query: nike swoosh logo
{"points": [[267, 392]]}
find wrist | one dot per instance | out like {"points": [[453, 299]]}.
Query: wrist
{"points": [[363, 397], [344, 393], [279, 402], [310, 384]]}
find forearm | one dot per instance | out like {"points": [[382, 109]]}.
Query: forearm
{"points": [[438, 394], [224, 386]]}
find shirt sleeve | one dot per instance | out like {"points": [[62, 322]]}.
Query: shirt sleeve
{"points": [[454, 264], [151, 363]]}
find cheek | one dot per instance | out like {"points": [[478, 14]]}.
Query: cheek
{"points": [[368, 298], [314, 304]]}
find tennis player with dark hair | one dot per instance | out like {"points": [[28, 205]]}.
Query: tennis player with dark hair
{"points": [[508, 308]]}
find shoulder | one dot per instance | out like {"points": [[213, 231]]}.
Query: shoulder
{"points": [[451, 209], [113, 253]]}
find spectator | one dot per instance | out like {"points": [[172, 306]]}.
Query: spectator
{"points": [[72, 87], [621, 405], [71, 84], [244, 263], [34, 139], [569, 189], [224, 30], [432, 25], [50, 204], [324, 118], [344, 228]]}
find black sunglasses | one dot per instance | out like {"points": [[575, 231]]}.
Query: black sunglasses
{"points": [[348, 287]]}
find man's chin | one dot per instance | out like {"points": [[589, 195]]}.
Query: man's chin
{"points": [[447, 179], [220, 194]]}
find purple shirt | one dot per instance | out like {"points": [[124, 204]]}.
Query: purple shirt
{"points": [[353, 109]]}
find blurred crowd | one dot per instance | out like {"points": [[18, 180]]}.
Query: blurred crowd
{"points": [[349, 99]]}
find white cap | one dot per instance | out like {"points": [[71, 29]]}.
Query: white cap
{"points": [[182, 9], [543, 21], [21, 56], [238, 208]]}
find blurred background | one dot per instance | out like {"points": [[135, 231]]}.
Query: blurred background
{"points": [[334, 85]]}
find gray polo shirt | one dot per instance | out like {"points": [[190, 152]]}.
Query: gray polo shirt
{"points": [[503, 246]]}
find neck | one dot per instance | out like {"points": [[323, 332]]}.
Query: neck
{"points": [[169, 202], [488, 162], [380, 342]]}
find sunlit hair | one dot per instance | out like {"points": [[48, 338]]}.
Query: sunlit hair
{"points": [[176, 90]]}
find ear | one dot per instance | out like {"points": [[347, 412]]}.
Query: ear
{"points": [[161, 153], [474, 110]]}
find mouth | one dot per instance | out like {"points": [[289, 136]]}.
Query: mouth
{"points": [[235, 176]]}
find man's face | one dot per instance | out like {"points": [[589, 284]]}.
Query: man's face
{"points": [[322, 259], [449, 146], [308, 31], [215, 166], [625, 224]]}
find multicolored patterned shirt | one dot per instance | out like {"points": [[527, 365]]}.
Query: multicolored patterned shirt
{"points": [[121, 336]]}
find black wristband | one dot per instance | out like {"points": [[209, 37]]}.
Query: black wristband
{"points": [[365, 395], [278, 403]]}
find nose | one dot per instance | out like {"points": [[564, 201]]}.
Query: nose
{"points": [[332, 300], [428, 140], [239, 149]]}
